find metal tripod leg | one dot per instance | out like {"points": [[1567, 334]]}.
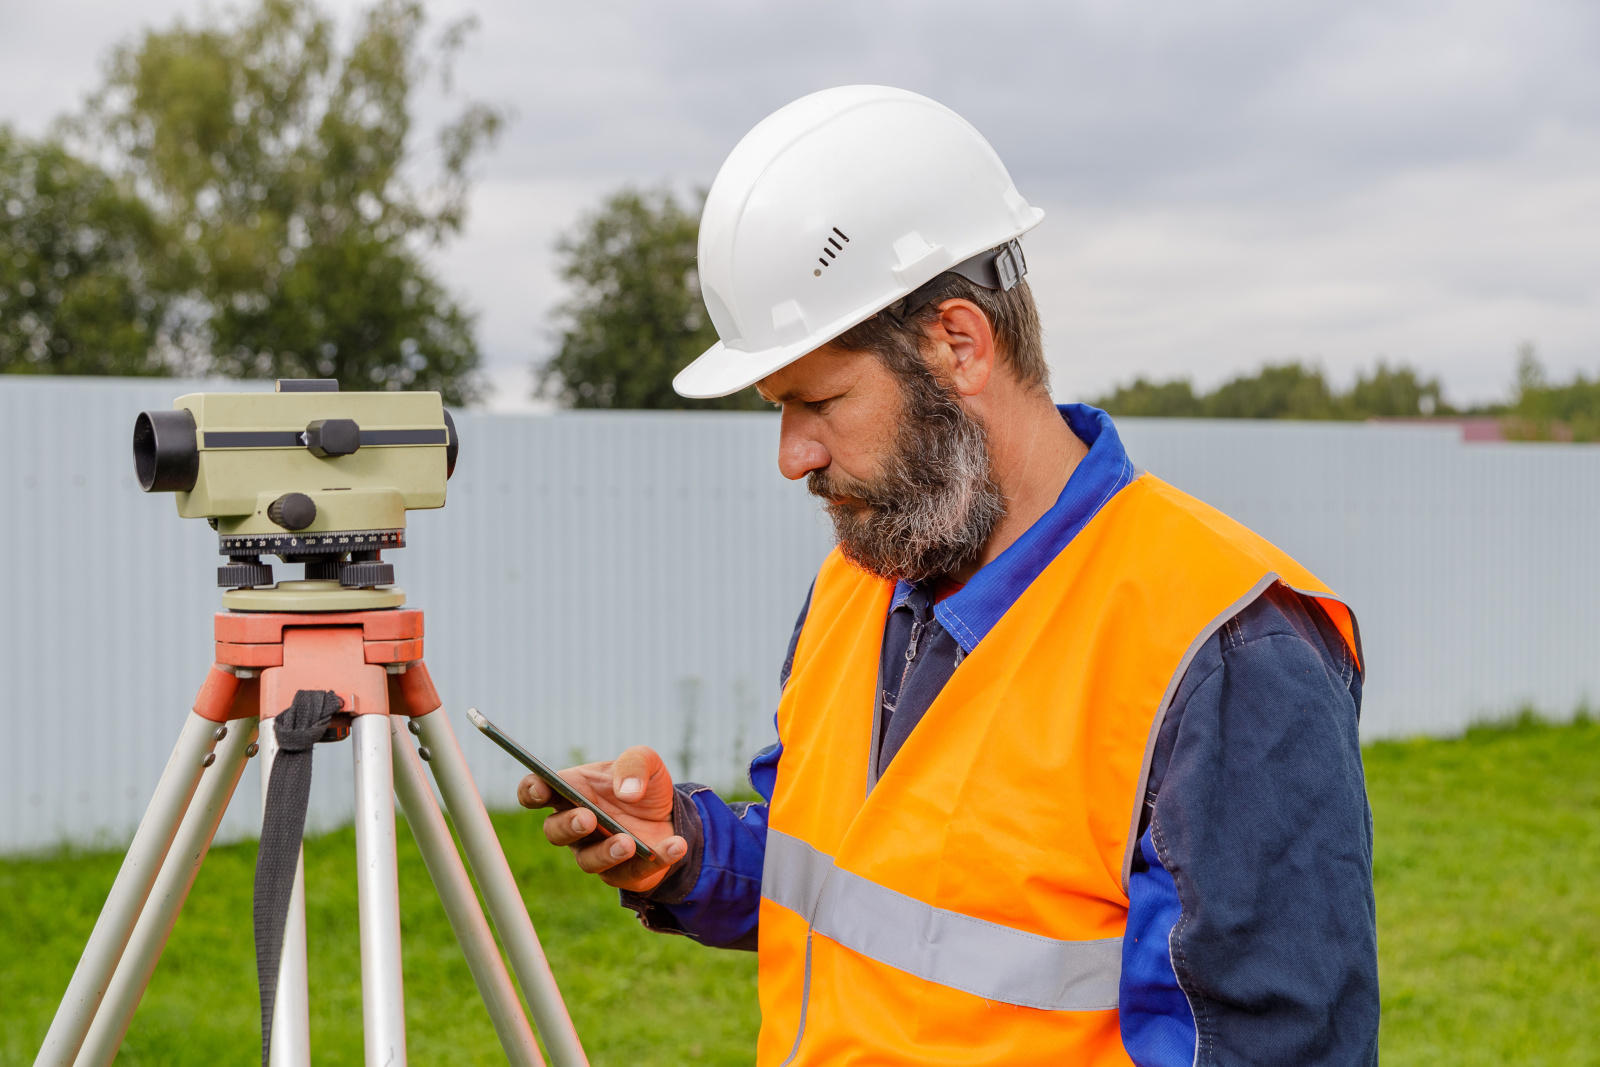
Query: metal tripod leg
{"points": [[383, 1010], [140, 866], [150, 933], [352, 662], [500, 892], [291, 1006], [460, 901]]}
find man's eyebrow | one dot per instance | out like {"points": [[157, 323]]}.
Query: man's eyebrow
{"points": [[797, 394]]}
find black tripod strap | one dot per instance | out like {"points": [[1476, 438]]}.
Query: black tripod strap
{"points": [[283, 823]]}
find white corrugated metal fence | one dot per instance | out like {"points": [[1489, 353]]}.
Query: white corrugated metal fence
{"points": [[632, 578]]}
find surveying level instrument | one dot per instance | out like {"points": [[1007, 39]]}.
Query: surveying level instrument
{"points": [[314, 476]]}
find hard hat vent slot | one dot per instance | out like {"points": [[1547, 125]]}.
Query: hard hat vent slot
{"points": [[829, 252]]}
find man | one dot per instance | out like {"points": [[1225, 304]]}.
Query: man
{"points": [[1067, 768]]}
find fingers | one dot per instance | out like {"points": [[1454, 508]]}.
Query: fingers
{"points": [[569, 827], [604, 855], [637, 777], [533, 793], [635, 787], [639, 772], [614, 860]]}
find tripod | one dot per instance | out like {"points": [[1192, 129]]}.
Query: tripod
{"points": [[372, 659]]}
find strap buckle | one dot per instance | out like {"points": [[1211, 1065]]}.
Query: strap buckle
{"points": [[1001, 267], [1009, 265]]}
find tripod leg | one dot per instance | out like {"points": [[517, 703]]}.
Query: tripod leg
{"points": [[461, 902], [291, 1009], [171, 889], [128, 894], [378, 891], [500, 891]]}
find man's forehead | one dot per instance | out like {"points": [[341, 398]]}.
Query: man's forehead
{"points": [[823, 368]]}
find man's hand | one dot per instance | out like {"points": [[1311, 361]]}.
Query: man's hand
{"points": [[635, 789]]}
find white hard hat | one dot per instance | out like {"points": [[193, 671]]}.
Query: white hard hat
{"points": [[832, 209]]}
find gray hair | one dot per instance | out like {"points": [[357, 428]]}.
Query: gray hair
{"points": [[1012, 314]]}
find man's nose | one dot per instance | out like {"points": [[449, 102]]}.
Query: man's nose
{"points": [[799, 452]]}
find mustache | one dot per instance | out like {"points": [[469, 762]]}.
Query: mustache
{"points": [[838, 489]]}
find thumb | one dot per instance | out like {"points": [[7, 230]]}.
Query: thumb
{"points": [[639, 772]]}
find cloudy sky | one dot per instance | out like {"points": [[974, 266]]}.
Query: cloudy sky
{"points": [[1226, 181]]}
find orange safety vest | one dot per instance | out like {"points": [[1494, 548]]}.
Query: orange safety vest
{"points": [[970, 906]]}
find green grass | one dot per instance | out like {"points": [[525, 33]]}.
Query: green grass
{"points": [[1487, 873], [636, 998]]}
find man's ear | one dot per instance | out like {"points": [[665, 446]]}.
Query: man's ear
{"points": [[964, 331]]}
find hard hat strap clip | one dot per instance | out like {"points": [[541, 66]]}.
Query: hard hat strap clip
{"points": [[999, 268], [1009, 265]]}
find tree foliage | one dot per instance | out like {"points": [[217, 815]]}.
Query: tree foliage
{"points": [[90, 278], [286, 162], [636, 317], [1277, 391], [1395, 393], [1544, 411], [1174, 399], [1540, 410], [1284, 391], [253, 210]]}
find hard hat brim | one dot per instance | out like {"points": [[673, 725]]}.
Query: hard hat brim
{"points": [[721, 370]]}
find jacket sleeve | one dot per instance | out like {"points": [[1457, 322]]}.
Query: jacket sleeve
{"points": [[1251, 928], [713, 895]]}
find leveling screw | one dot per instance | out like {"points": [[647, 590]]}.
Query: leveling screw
{"points": [[219, 733], [252, 750], [422, 750], [211, 757], [414, 728]]}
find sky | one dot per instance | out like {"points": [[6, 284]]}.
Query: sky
{"points": [[1226, 182]]}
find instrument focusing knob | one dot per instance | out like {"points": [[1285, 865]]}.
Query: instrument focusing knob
{"points": [[293, 511]]}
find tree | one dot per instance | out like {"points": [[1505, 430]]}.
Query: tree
{"points": [[1285, 391], [285, 163], [90, 280], [1174, 399], [636, 317], [1277, 391], [1395, 393], [1543, 411]]}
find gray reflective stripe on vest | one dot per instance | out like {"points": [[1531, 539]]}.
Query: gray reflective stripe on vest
{"points": [[975, 956]]}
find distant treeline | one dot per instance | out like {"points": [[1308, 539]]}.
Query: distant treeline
{"points": [[1284, 391], [1537, 410]]}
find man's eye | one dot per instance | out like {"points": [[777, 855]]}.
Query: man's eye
{"points": [[821, 406]]}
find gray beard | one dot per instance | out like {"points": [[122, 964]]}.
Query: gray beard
{"points": [[933, 507]]}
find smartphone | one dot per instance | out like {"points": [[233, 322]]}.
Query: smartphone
{"points": [[562, 788]]}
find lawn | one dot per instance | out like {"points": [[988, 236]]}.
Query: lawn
{"points": [[1487, 873], [636, 998]]}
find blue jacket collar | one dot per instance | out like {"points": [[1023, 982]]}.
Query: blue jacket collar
{"points": [[970, 613]]}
